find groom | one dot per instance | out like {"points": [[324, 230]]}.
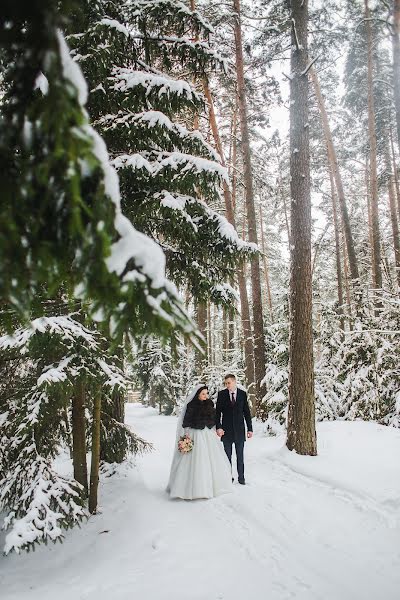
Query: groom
{"points": [[233, 407]]}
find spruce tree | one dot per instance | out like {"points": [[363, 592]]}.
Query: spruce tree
{"points": [[61, 220], [142, 60], [52, 358]]}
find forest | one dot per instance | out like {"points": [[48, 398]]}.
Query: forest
{"points": [[189, 189]]}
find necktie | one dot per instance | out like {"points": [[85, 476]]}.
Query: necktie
{"points": [[232, 398]]}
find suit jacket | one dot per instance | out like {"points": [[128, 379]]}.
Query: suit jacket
{"points": [[233, 417]]}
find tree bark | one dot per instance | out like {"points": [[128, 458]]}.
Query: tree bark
{"points": [[230, 215], [95, 463], [346, 278], [395, 175], [376, 248], [395, 227], [114, 448], [301, 434], [368, 198], [79, 435], [285, 209], [334, 167], [266, 266], [113, 445], [210, 340], [337, 251], [396, 63], [201, 358], [258, 321]]}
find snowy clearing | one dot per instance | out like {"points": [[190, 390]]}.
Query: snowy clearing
{"points": [[308, 528]]}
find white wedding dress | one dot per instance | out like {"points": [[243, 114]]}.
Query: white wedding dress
{"points": [[205, 472]]}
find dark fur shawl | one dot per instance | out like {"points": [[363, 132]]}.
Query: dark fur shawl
{"points": [[199, 414]]}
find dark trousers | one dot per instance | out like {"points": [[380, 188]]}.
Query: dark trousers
{"points": [[239, 447]]}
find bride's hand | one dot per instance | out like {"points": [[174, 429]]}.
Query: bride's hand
{"points": [[220, 432]]}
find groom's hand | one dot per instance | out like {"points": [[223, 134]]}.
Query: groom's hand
{"points": [[249, 434], [220, 432]]}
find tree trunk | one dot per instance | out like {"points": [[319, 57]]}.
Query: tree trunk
{"points": [[301, 434], [79, 435], [386, 272], [244, 301], [95, 463], [68, 432], [234, 159], [334, 167], [376, 248], [113, 444], [225, 335], [337, 251], [258, 322], [285, 209], [201, 358], [396, 63], [209, 336], [346, 279], [395, 175], [266, 266], [395, 228], [233, 155]]}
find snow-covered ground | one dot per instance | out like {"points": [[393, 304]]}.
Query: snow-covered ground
{"points": [[309, 528]]}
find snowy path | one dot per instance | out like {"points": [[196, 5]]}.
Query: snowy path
{"points": [[325, 528]]}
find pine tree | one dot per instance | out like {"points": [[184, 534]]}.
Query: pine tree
{"points": [[301, 412]]}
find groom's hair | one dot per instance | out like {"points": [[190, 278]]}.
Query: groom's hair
{"points": [[229, 376]]}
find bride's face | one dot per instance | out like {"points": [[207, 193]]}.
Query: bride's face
{"points": [[203, 395]]}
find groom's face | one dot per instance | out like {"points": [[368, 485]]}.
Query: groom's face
{"points": [[230, 384]]}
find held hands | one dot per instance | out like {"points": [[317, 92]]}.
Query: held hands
{"points": [[221, 432]]}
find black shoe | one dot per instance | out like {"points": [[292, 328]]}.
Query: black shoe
{"points": [[233, 480], [242, 481]]}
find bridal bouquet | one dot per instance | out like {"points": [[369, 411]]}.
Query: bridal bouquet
{"points": [[185, 443]]}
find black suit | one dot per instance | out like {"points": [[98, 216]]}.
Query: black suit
{"points": [[233, 418]]}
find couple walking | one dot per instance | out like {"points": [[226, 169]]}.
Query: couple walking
{"points": [[201, 468]]}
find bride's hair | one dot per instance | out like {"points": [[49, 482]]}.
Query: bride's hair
{"points": [[203, 387]]}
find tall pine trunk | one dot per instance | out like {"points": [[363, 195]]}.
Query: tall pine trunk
{"points": [[396, 63], [395, 175], [395, 227], [301, 434], [337, 251], [95, 463], [334, 168], [258, 321], [230, 215], [79, 435], [201, 357], [266, 265], [346, 278], [376, 243]]}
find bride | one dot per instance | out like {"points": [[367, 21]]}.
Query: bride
{"points": [[204, 471]]}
